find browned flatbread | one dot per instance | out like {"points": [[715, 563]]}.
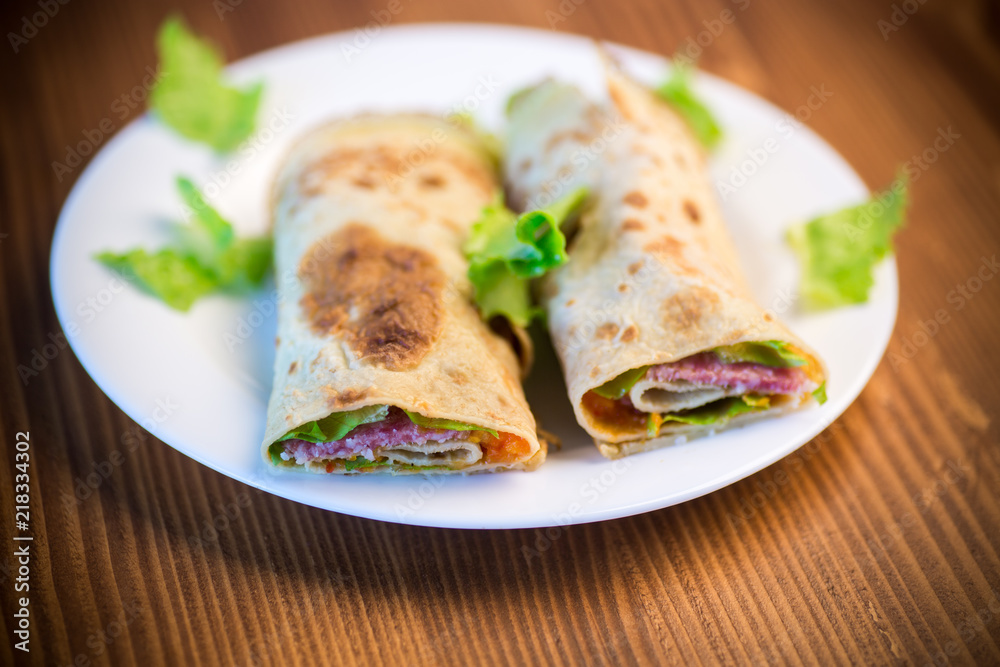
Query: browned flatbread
{"points": [[370, 215], [653, 276]]}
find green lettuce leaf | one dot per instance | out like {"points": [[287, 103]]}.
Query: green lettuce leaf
{"points": [[337, 425], [244, 265], [757, 400], [175, 278], [209, 231], [190, 95], [446, 424], [677, 92], [716, 412], [208, 258], [838, 251], [238, 264], [517, 96], [500, 292], [357, 463], [362, 462], [621, 385], [820, 394], [506, 250], [768, 353]]}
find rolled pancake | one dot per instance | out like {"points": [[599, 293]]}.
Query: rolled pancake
{"points": [[375, 307], [652, 288]]}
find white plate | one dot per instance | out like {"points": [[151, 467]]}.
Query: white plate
{"points": [[200, 381]]}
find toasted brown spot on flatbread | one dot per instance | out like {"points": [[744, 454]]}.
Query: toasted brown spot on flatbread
{"points": [[292, 367], [575, 134], [453, 225], [364, 181], [668, 247], [634, 267], [332, 164], [630, 334], [688, 307], [768, 318], [457, 376], [431, 181], [635, 199], [692, 212], [606, 331], [419, 212], [571, 302], [476, 173], [277, 341], [671, 250], [337, 400], [620, 103], [632, 225], [390, 164], [661, 218], [382, 298], [622, 287]]}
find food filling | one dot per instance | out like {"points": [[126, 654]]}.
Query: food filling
{"points": [[707, 388], [373, 437]]}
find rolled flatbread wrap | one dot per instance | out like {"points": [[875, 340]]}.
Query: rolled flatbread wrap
{"points": [[383, 364], [659, 337]]}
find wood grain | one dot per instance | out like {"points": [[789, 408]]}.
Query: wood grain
{"points": [[876, 543]]}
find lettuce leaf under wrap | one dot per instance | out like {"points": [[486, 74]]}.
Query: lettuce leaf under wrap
{"points": [[339, 425], [717, 412], [505, 251], [774, 353]]}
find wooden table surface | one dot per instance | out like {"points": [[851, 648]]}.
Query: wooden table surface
{"points": [[875, 543]]}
